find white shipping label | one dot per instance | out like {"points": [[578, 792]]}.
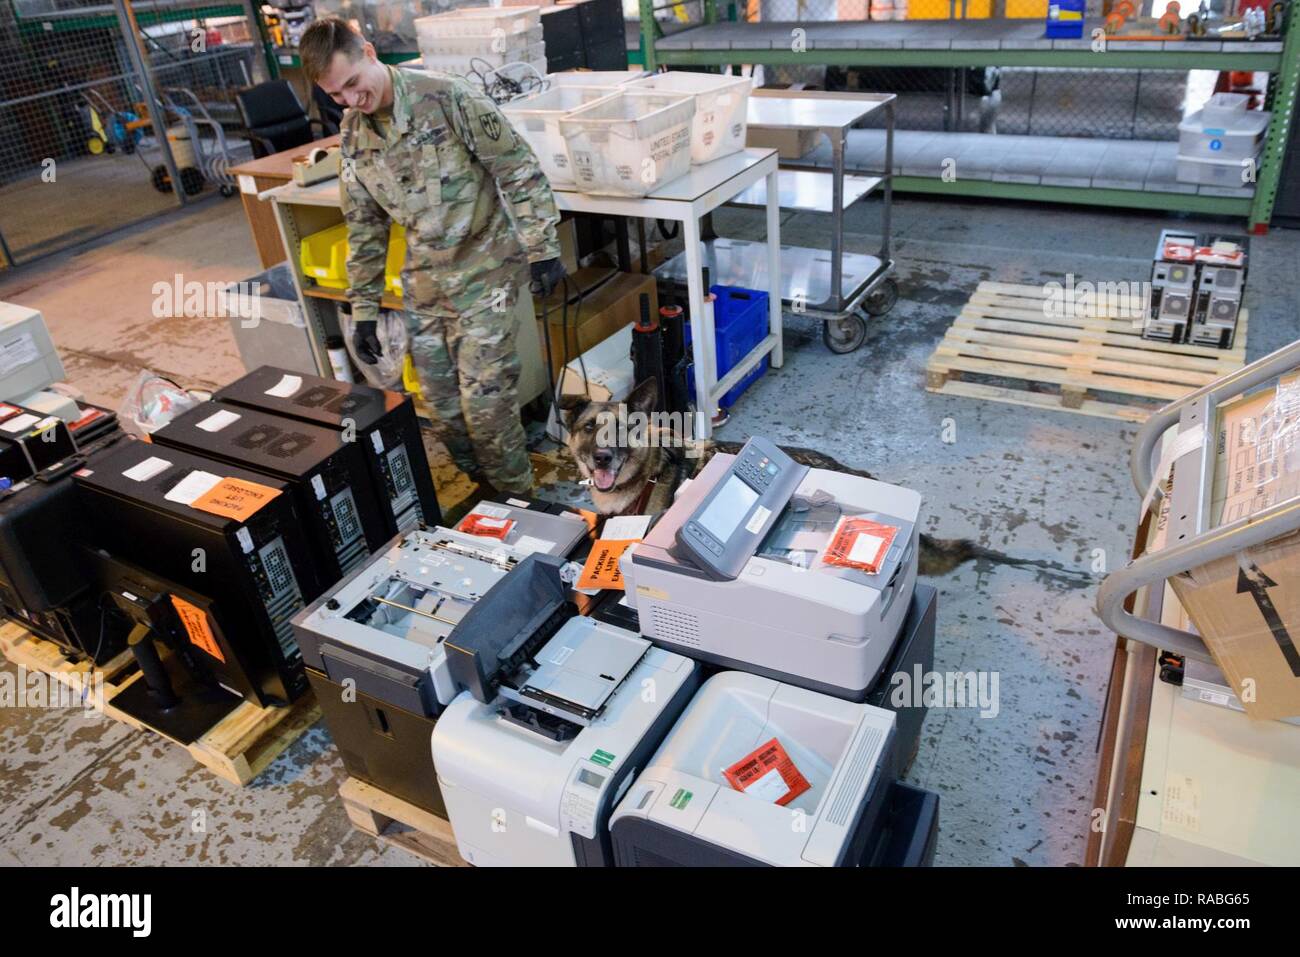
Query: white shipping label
{"points": [[1182, 807], [516, 503], [287, 386], [245, 539], [20, 423], [247, 184], [17, 352], [865, 548], [562, 654], [218, 421], [492, 511], [147, 469], [527, 545], [624, 527], [318, 486], [769, 787], [757, 519], [195, 484], [491, 522], [377, 441]]}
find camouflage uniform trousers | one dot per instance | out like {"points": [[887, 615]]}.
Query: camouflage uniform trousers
{"points": [[463, 347]]}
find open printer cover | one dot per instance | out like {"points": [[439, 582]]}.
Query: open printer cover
{"points": [[558, 710], [385, 623]]}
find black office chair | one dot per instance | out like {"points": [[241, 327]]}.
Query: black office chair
{"points": [[330, 113], [274, 118]]}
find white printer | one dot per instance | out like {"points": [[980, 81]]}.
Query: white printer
{"points": [[683, 810], [383, 625], [558, 713], [735, 572], [28, 360]]}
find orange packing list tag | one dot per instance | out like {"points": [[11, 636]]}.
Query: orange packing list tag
{"points": [[768, 774], [485, 526], [235, 498], [860, 543], [601, 570], [591, 518], [195, 620]]}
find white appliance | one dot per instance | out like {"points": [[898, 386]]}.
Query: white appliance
{"points": [[682, 810], [28, 360], [787, 614], [558, 714]]}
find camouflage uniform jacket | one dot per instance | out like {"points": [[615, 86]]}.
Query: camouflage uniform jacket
{"points": [[447, 153]]}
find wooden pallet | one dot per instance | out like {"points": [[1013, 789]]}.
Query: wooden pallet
{"points": [[399, 824], [237, 748], [1094, 364]]}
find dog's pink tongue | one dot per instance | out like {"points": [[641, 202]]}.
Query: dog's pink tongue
{"points": [[604, 479]]}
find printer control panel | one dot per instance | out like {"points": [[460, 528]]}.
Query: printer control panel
{"points": [[582, 794], [722, 534]]}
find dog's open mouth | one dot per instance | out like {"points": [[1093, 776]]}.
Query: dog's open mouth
{"points": [[604, 479]]}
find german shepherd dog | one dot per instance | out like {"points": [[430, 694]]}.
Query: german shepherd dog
{"points": [[640, 477]]}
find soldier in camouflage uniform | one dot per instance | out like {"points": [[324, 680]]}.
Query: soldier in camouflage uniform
{"points": [[432, 153]]}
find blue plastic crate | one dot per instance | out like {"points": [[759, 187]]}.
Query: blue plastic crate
{"points": [[740, 322]]}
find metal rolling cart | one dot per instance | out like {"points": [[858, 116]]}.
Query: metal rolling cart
{"points": [[838, 287]]}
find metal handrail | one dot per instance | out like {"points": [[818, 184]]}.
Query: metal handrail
{"points": [[1233, 539], [1157, 567], [1148, 438]]}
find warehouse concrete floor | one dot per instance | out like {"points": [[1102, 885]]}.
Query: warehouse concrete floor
{"points": [[1050, 487]]}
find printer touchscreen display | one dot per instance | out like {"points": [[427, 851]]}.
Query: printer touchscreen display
{"points": [[728, 508]]}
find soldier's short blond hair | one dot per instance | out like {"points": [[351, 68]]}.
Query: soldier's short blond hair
{"points": [[322, 40]]}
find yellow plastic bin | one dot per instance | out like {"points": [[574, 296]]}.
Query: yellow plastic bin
{"points": [[324, 258]]}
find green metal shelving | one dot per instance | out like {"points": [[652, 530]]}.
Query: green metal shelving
{"points": [[1283, 63]]}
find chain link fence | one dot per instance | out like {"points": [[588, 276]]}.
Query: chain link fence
{"points": [[104, 104]]}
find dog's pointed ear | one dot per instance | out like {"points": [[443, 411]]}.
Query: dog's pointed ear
{"points": [[571, 407], [645, 397]]}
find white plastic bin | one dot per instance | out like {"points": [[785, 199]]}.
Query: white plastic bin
{"points": [[1224, 109], [1211, 172], [478, 21], [720, 109], [595, 77], [461, 64], [433, 45], [1233, 134], [537, 120], [629, 143]]}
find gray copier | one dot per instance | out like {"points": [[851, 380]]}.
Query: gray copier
{"points": [[734, 573], [373, 644], [557, 713]]}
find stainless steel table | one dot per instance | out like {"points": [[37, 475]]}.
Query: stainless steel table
{"points": [[833, 286]]}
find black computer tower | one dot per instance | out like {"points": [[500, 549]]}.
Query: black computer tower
{"points": [[328, 478], [247, 569], [382, 423], [562, 31], [42, 578]]}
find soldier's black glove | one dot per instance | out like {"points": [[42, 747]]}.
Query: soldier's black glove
{"points": [[545, 276], [365, 340]]}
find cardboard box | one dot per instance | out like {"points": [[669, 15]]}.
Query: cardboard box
{"points": [[1247, 608], [789, 144], [603, 311]]}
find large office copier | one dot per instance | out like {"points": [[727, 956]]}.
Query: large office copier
{"points": [[733, 573], [682, 810], [557, 714], [373, 644]]}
